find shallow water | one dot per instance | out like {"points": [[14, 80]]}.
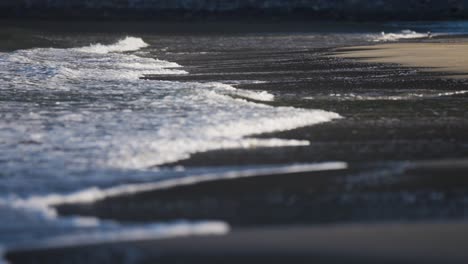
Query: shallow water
{"points": [[81, 117]]}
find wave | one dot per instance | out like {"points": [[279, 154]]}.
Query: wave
{"points": [[67, 231], [131, 233], [85, 122], [398, 96], [226, 89], [404, 34], [42, 206], [179, 119], [95, 194], [123, 45]]}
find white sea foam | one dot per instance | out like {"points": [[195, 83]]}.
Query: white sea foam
{"points": [[133, 233], [404, 34], [39, 211], [179, 119], [24, 219], [36, 225], [452, 93], [126, 44], [80, 125], [94, 194], [230, 90], [41, 208], [390, 97]]}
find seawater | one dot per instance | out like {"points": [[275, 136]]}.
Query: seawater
{"points": [[80, 122]]}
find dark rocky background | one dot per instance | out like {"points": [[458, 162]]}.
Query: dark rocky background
{"points": [[235, 9]]}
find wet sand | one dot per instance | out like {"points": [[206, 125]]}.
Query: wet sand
{"points": [[362, 193], [382, 243]]}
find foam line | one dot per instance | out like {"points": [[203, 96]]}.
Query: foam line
{"points": [[123, 45], [94, 194], [404, 34], [135, 233], [105, 231]]}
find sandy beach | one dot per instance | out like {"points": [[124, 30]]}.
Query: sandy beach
{"points": [[443, 57]]}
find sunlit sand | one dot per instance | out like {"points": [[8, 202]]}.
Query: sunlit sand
{"points": [[436, 57]]}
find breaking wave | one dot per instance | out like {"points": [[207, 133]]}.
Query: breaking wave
{"points": [[404, 34], [81, 124], [126, 44]]}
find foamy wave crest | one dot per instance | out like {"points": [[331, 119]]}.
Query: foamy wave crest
{"points": [[72, 69], [21, 217], [94, 194], [404, 34], [172, 120], [126, 44], [262, 96], [226, 130], [40, 211], [135, 233], [82, 121]]}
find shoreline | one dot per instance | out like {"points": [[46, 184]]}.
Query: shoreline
{"points": [[426, 137], [423, 136], [407, 191]]}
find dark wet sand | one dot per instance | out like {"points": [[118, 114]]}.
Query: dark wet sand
{"points": [[382, 243], [407, 158], [426, 190]]}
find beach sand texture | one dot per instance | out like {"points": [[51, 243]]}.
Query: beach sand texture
{"points": [[439, 57]]}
